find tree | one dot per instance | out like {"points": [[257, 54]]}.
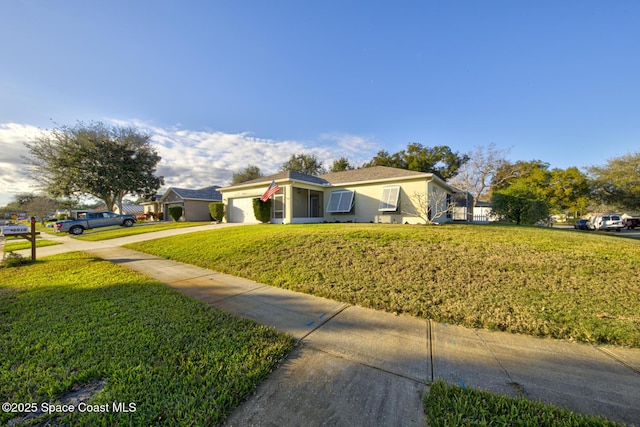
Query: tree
{"points": [[340, 165], [439, 160], [533, 172], [617, 183], [41, 207], [520, 204], [561, 189], [568, 190], [477, 174], [303, 163], [247, 174], [383, 158], [103, 161], [430, 207]]}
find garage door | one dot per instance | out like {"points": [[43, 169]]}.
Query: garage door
{"points": [[240, 210]]}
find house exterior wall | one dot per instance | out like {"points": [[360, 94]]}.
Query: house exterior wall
{"points": [[367, 201], [196, 210]]}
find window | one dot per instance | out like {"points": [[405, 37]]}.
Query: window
{"points": [[389, 199], [340, 201], [278, 204]]}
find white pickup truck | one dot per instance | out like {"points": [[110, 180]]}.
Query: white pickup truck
{"points": [[89, 220]]}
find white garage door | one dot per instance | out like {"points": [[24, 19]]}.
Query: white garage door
{"points": [[241, 210]]}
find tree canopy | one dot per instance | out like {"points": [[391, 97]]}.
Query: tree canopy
{"points": [[617, 182], [477, 174], [103, 161], [520, 204], [303, 163], [247, 174], [340, 165], [439, 160]]}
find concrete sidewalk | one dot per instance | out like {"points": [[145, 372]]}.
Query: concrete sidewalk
{"points": [[360, 367]]}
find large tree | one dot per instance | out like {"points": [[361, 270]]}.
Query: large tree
{"points": [[477, 174], [303, 163], [247, 174], [96, 159], [617, 183], [568, 190], [340, 165], [520, 204], [439, 160], [561, 190]]}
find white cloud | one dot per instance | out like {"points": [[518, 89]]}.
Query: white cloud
{"points": [[356, 148], [14, 177], [191, 159]]}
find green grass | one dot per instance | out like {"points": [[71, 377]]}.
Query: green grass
{"points": [[139, 228], [543, 282], [71, 320], [16, 244], [452, 405]]}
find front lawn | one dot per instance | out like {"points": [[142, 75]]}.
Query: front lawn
{"points": [[453, 405], [74, 324], [543, 282]]}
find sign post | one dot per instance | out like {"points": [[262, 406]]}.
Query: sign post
{"points": [[25, 233], [33, 238]]}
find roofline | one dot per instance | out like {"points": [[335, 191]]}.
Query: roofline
{"points": [[377, 180], [268, 181], [418, 175]]}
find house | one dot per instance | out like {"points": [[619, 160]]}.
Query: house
{"points": [[377, 194], [129, 209], [152, 207], [194, 203]]}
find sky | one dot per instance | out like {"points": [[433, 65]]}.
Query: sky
{"points": [[220, 85]]}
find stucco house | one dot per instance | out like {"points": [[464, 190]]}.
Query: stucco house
{"points": [[377, 194], [194, 203]]}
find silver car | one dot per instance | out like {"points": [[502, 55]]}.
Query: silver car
{"points": [[606, 223]]}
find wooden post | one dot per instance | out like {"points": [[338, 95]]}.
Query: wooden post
{"points": [[33, 238]]}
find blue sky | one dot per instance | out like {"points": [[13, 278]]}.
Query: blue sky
{"points": [[222, 85]]}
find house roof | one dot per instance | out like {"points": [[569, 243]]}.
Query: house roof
{"points": [[281, 176], [131, 208], [354, 176], [373, 173], [207, 193]]}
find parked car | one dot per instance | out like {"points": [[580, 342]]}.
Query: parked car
{"points": [[631, 223], [605, 222], [90, 220], [580, 224]]}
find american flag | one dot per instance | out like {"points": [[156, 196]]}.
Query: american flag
{"points": [[273, 189]]}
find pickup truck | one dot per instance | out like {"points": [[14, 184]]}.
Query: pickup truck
{"points": [[89, 220]]}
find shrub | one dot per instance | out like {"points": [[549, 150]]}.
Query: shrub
{"points": [[262, 210], [13, 259], [216, 209], [175, 212]]}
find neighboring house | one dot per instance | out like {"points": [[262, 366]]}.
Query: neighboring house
{"points": [[194, 203], [153, 208], [129, 209], [377, 194]]}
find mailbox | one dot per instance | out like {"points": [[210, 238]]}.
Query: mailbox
{"points": [[8, 230]]}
